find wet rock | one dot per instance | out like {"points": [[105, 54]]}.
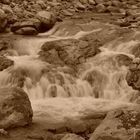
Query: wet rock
{"points": [[3, 20], [5, 44], [121, 124], [72, 137], [136, 50], [5, 63], [133, 78], [70, 51], [33, 23], [47, 20], [26, 31], [15, 108], [123, 60]]}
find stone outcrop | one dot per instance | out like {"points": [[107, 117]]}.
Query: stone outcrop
{"points": [[121, 124], [15, 108]]}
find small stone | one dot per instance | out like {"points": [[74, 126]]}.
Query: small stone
{"points": [[26, 31], [67, 13], [92, 2], [100, 8], [80, 6]]}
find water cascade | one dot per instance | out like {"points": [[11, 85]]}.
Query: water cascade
{"points": [[99, 77]]}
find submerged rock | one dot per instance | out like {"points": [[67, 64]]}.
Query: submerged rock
{"points": [[15, 108]]}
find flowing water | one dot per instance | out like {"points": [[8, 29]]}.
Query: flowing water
{"points": [[99, 78]]}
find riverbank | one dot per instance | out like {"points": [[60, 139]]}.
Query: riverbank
{"points": [[25, 13]]}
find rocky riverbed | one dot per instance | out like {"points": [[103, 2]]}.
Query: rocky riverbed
{"points": [[69, 70]]}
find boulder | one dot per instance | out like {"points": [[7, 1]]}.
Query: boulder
{"points": [[3, 20], [5, 63], [34, 23], [47, 20], [26, 31], [70, 51], [123, 60], [120, 124], [15, 108]]}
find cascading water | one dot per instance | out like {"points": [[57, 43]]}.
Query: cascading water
{"points": [[99, 77]]}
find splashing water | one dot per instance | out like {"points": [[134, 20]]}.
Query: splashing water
{"points": [[100, 77]]}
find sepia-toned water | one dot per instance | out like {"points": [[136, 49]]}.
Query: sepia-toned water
{"points": [[99, 79]]}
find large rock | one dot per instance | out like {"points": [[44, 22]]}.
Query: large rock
{"points": [[33, 23], [47, 20], [3, 20], [15, 108], [121, 124], [5, 63], [70, 51]]}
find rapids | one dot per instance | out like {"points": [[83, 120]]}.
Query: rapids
{"points": [[99, 77]]}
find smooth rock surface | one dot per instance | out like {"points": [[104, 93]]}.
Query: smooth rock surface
{"points": [[47, 20]]}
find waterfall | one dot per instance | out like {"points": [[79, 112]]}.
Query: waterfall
{"points": [[99, 77]]}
